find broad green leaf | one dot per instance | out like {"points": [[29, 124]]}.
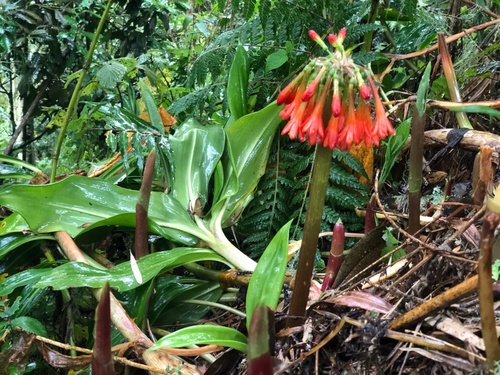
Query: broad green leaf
{"points": [[76, 203], [249, 140], [78, 275], [258, 356], [12, 241], [196, 150], [394, 145], [203, 335], [19, 163], [275, 60], [111, 74], [27, 324], [154, 116], [14, 223], [183, 312], [237, 86], [423, 89], [26, 277], [262, 290]]}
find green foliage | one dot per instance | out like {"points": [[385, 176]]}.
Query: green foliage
{"points": [[273, 261], [203, 334], [282, 195]]}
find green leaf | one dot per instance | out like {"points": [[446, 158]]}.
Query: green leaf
{"points": [[423, 89], [259, 359], [237, 86], [12, 242], [154, 116], [275, 60], [261, 290], [249, 140], [394, 145], [203, 335], [26, 277], [27, 324], [111, 74], [495, 270], [19, 163], [477, 109], [76, 203], [77, 275], [196, 150], [178, 311]]}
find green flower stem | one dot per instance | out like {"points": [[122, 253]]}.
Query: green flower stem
{"points": [[415, 172], [217, 241], [319, 183], [76, 92]]}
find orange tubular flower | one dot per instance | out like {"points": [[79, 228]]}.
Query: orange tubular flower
{"points": [[293, 128], [382, 126], [311, 88], [313, 127], [352, 132], [291, 107], [349, 123], [364, 120], [336, 104], [332, 132], [364, 91]]}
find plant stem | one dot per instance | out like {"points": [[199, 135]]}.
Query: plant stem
{"points": [[76, 92], [319, 183], [415, 173], [486, 309], [142, 206], [451, 80]]}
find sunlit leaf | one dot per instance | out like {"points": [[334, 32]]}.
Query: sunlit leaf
{"points": [[76, 274], [196, 150], [76, 203], [249, 141], [111, 74], [203, 335], [272, 262], [237, 85]]}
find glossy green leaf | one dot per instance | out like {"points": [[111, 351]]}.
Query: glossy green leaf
{"points": [[77, 275], [20, 163], [276, 59], [249, 140], [423, 89], [154, 116], [237, 86], [394, 145], [77, 202], [11, 242], [27, 324], [196, 150], [111, 74], [203, 335], [176, 310], [272, 264], [26, 277]]}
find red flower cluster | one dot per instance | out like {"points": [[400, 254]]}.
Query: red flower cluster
{"points": [[333, 80]]}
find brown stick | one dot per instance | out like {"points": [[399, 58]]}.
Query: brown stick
{"points": [[26, 117], [486, 309], [448, 41], [441, 301]]}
